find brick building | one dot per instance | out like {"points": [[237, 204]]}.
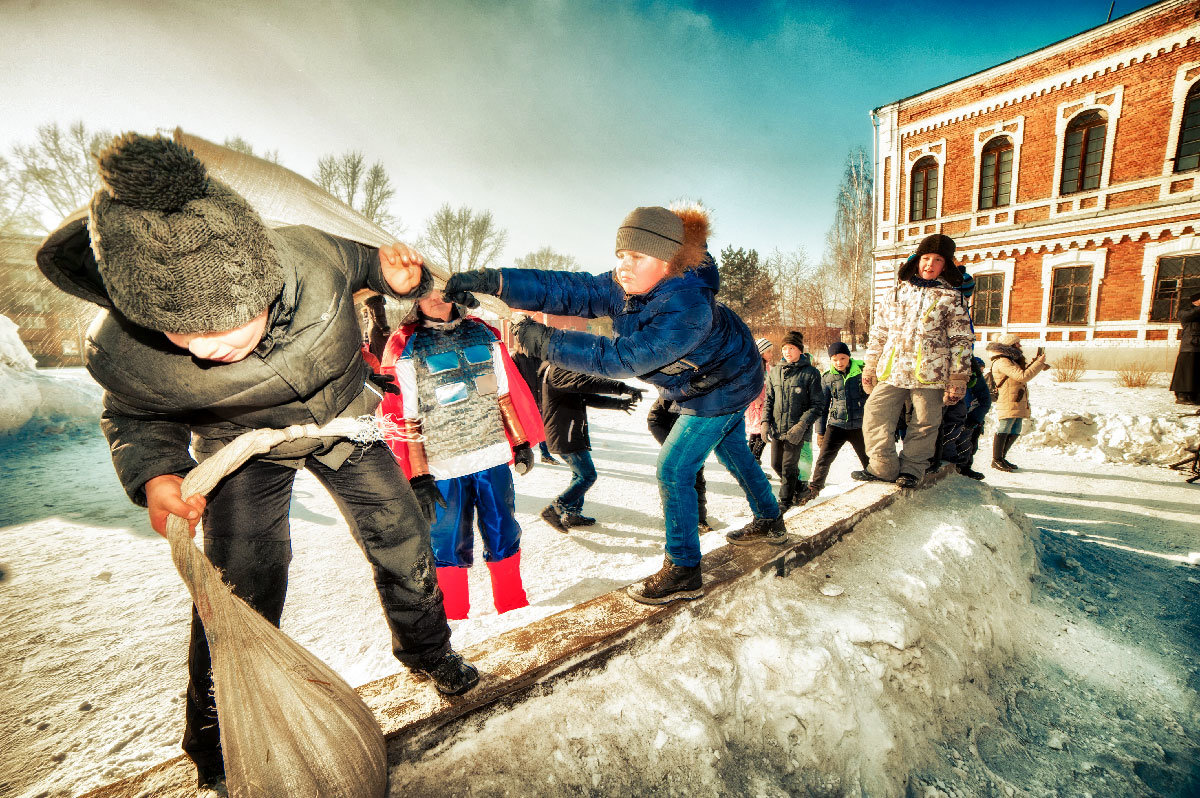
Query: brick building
{"points": [[50, 323], [1070, 179]]}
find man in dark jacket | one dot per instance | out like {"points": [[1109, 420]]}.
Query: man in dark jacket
{"points": [[566, 396], [215, 325], [1185, 381], [790, 409], [671, 332], [841, 413]]}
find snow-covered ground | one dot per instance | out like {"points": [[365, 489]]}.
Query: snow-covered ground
{"points": [[776, 688]]}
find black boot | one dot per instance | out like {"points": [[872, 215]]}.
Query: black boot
{"points": [[803, 495], [451, 674], [1008, 444], [671, 583], [760, 530], [552, 516], [998, 452], [571, 518], [969, 472]]}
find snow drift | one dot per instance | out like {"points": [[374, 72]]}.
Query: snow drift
{"points": [[33, 401], [838, 679], [1117, 438]]}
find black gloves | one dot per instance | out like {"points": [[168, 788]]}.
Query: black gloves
{"points": [[523, 458], [428, 495], [532, 338], [636, 393], [626, 404], [480, 281], [385, 383], [757, 445]]}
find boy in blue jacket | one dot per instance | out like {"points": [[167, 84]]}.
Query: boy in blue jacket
{"points": [[671, 332]]}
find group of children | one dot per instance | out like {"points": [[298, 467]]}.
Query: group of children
{"points": [[215, 324]]}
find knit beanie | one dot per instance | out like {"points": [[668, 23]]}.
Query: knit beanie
{"points": [[678, 235], [763, 345], [179, 251], [794, 338], [839, 348]]}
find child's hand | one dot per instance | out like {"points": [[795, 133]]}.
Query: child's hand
{"points": [[163, 498], [401, 267]]}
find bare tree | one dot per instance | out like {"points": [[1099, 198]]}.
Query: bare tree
{"points": [[239, 144], [366, 189], [462, 239], [59, 168], [809, 294], [850, 239], [547, 258], [15, 216]]}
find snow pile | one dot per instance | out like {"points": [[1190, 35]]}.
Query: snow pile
{"points": [[835, 680], [35, 402], [1117, 438]]}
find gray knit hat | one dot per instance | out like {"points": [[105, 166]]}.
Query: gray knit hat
{"points": [[653, 231], [178, 250]]}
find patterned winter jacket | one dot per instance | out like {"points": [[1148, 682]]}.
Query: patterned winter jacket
{"points": [[842, 398], [921, 337]]}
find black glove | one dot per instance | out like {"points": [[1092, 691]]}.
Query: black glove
{"points": [[757, 445], [636, 393], [480, 281], [523, 458], [625, 404], [532, 338], [428, 495], [385, 383]]}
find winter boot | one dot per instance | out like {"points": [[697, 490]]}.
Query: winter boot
{"points": [[865, 476], [455, 597], [210, 774], [1008, 444], [908, 481], [703, 526], [998, 462], [571, 518], [507, 591], [969, 472], [451, 674], [552, 516], [803, 494], [671, 583], [760, 530]]}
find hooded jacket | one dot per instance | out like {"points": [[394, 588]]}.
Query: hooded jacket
{"points": [[159, 400], [566, 396], [921, 336], [793, 399], [697, 352], [842, 398], [1011, 375]]}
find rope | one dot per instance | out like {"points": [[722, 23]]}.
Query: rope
{"points": [[289, 724]]}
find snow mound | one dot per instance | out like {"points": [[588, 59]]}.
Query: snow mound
{"points": [[1116, 438], [838, 679], [31, 401]]}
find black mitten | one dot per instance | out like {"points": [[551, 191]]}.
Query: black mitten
{"points": [[523, 458], [428, 495], [460, 286]]}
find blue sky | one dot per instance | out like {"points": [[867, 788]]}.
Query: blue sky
{"points": [[558, 116]]}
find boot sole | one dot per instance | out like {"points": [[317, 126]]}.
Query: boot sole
{"points": [[779, 541], [681, 595]]}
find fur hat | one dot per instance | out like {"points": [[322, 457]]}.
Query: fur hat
{"points": [[678, 235], [838, 348], [763, 345], [936, 244], [794, 338], [178, 250], [1009, 339]]}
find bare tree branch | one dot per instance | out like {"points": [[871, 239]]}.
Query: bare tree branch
{"points": [[461, 239], [59, 168], [547, 258], [367, 190]]}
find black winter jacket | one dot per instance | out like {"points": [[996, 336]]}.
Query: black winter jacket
{"points": [[158, 399], [793, 400], [1189, 331], [566, 396]]}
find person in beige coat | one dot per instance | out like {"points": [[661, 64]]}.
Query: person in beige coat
{"points": [[1011, 374], [920, 352]]}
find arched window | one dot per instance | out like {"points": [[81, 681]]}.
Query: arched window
{"points": [[1083, 152], [923, 191], [1187, 157], [995, 173]]}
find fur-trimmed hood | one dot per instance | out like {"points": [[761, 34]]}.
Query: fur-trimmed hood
{"points": [[697, 226]]}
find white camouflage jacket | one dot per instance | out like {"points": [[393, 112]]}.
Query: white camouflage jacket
{"points": [[921, 338]]}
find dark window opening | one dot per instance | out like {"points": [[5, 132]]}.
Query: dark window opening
{"points": [[995, 173], [988, 300], [1187, 155], [1177, 279], [924, 189], [1083, 152], [1069, 295]]}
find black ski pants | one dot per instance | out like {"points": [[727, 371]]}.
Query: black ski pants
{"points": [[248, 537], [834, 438]]}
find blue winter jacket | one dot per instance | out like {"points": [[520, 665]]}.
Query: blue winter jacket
{"points": [[843, 398], [698, 352]]}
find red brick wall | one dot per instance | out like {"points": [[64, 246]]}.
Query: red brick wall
{"points": [[1137, 196], [1121, 291], [1025, 304]]}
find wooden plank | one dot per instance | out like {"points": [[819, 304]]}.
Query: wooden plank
{"points": [[410, 711]]}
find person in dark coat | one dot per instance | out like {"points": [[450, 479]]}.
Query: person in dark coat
{"points": [[566, 396], [661, 420], [671, 332], [791, 408], [840, 416], [214, 325], [529, 366], [1185, 381]]}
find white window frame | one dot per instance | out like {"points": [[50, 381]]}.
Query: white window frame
{"points": [[1154, 250], [982, 136], [936, 149], [1183, 85], [1112, 110], [1097, 259], [993, 266]]}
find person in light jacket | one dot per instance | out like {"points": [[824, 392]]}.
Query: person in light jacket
{"points": [[1011, 375]]}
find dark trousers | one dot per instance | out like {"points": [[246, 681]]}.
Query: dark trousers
{"points": [[793, 463], [247, 536], [834, 438]]}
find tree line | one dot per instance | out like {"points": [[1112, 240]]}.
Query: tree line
{"points": [[49, 177]]}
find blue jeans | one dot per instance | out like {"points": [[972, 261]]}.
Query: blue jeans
{"points": [[583, 476], [683, 454]]}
